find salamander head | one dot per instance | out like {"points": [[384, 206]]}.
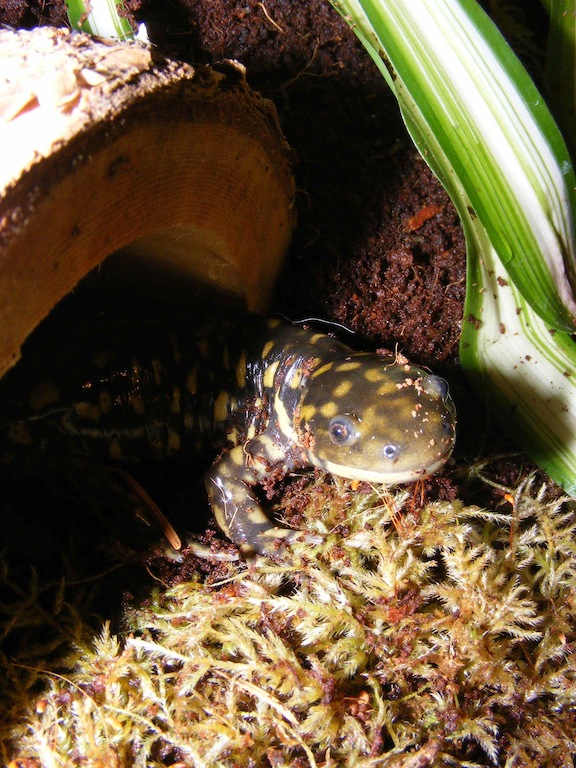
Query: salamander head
{"points": [[364, 417]]}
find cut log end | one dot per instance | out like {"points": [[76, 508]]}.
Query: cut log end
{"points": [[127, 155]]}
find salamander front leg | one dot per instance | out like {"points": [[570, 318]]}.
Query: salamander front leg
{"points": [[236, 508]]}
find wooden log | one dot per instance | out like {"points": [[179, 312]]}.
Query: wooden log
{"points": [[107, 148]]}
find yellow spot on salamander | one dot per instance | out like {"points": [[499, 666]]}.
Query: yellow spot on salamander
{"points": [[241, 371], [192, 382], [296, 378], [271, 451], [221, 406], [273, 322], [174, 441], [176, 354], [329, 409], [43, 394], [105, 401], [157, 369], [137, 403], [114, 449], [342, 389], [285, 421], [270, 373], [267, 348], [386, 388], [136, 372], [351, 365], [374, 374], [322, 369], [89, 411], [176, 404], [317, 337], [307, 412]]}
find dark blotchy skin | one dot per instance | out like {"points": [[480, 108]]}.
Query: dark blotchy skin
{"points": [[279, 397]]}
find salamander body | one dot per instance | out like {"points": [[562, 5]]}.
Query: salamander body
{"points": [[275, 397]]}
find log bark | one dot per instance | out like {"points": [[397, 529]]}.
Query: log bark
{"points": [[112, 149]]}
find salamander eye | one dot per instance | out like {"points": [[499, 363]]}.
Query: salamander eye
{"points": [[435, 386], [343, 430], [390, 451]]}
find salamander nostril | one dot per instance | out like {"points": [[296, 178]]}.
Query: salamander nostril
{"points": [[390, 451]]}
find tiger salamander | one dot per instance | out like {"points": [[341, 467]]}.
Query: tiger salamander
{"points": [[274, 396]]}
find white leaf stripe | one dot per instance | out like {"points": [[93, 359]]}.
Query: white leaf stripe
{"points": [[531, 370], [100, 17]]}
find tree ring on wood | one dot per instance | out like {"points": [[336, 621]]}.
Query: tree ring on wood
{"points": [[107, 148]]}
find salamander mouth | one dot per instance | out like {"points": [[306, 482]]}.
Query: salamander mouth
{"points": [[390, 476], [431, 469], [387, 478]]}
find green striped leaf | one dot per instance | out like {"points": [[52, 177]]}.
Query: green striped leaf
{"points": [[484, 129], [494, 130], [527, 368], [102, 18], [561, 67]]}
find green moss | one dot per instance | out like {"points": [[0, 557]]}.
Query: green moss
{"points": [[443, 636]]}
